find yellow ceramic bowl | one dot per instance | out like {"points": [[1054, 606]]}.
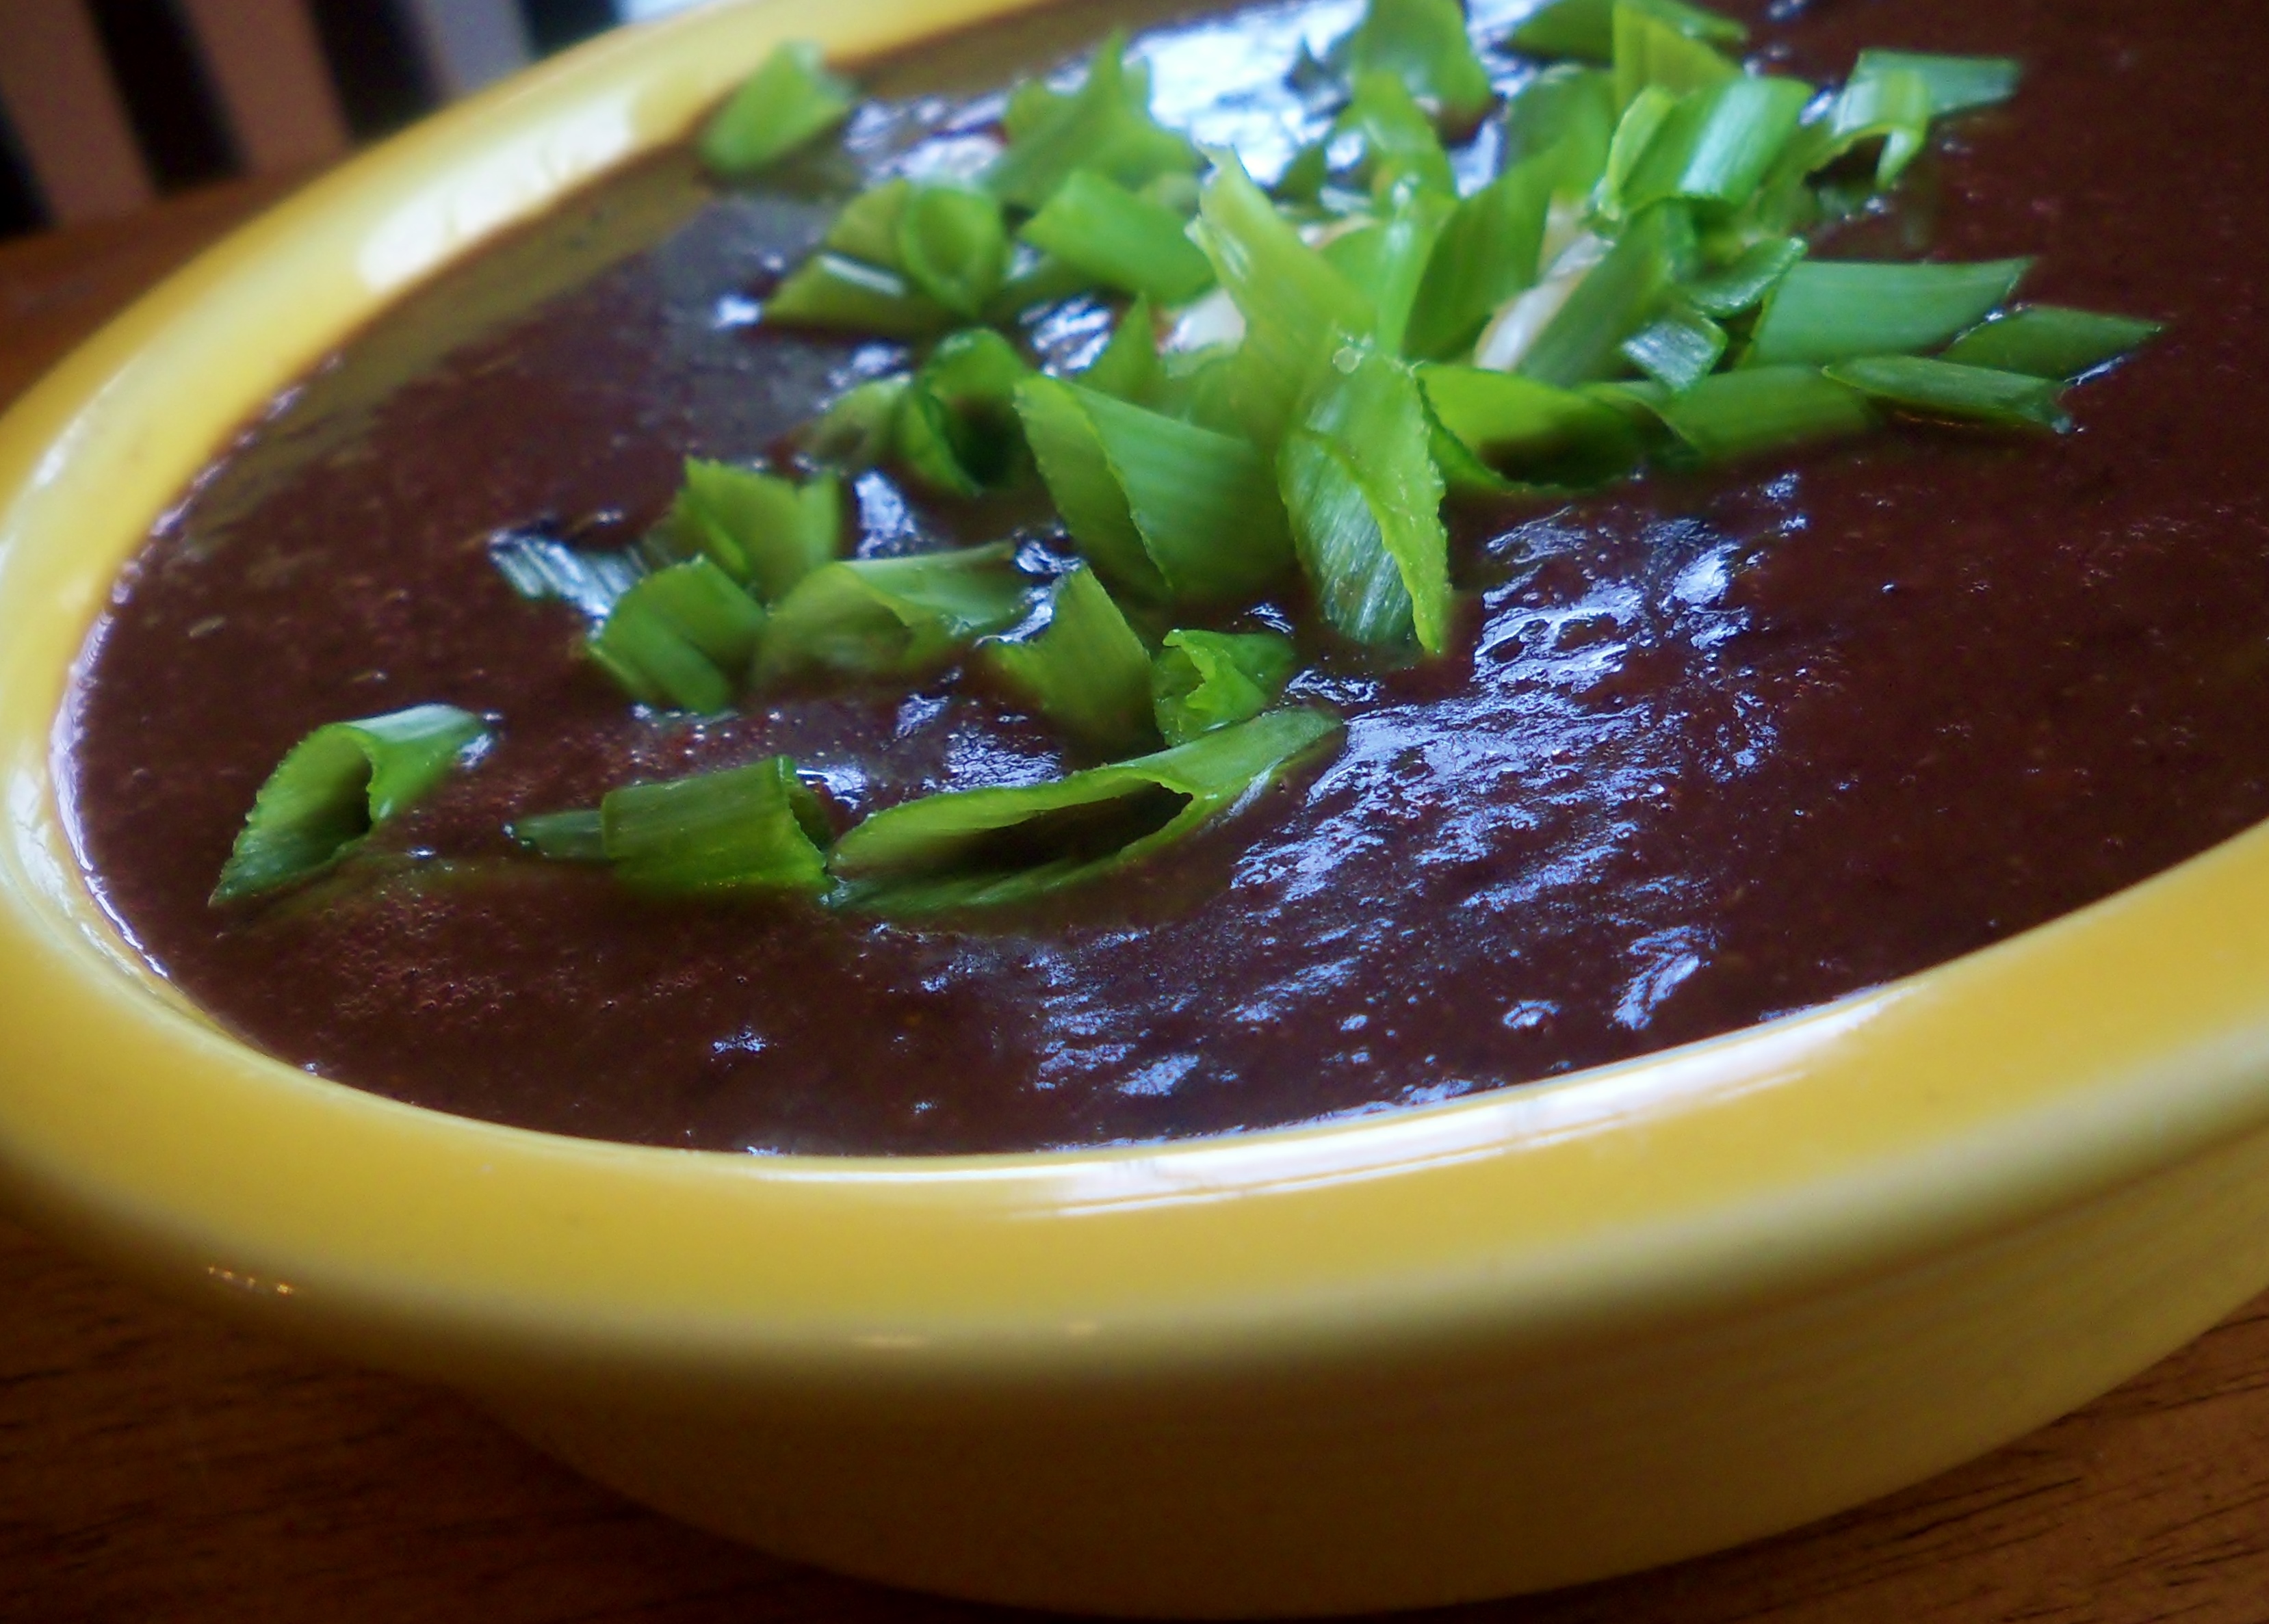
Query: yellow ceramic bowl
{"points": [[1537, 1336]]}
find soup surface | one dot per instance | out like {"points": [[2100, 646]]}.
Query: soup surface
{"points": [[1704, 750]]}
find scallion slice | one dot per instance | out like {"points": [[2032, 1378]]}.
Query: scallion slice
{"points": [[752, 828], [1962, 394], [831, 292], [1424, 44], [765, 532], [1717, 144], [1678, 349], [1365, 497], [1298, 310], [1892, 106], [576, 837], [1205, 679], [1086, 671], [1034, 279], [1585, 28], [1567, 114], [1529, 432], [1488, 252], [1167, 511], [1104, 126], [2051, 341], [335, 785], [681, 638], [1385, 261], [892, 619], [866, 229], [1121, 239], [982, 848], [855, 431], [1741, 284], [1129, 369], [953, 246], [1584, 342], [1399, 147], [1956, 84], [1838, 310], [789, 103], [1739, 414], [1654, 51], [957, 428]]}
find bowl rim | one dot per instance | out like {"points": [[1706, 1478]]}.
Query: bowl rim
{"points": [[2085, 1053]]}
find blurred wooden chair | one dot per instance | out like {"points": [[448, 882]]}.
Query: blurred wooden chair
{"points": [[264, 62]]}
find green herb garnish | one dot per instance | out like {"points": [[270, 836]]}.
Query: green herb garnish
{"points": [[337, 784]]}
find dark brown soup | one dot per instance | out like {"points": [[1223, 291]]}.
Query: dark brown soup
{"points": [[1704, 751]]}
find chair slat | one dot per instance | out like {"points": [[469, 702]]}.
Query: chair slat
{"points": [[267, 63], [468, 43], [65, 109]]}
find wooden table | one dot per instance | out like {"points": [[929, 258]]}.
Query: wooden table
{"points": [[156, 1465]]}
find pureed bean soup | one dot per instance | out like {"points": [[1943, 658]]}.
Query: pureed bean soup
{"points": [[1703, 749]]}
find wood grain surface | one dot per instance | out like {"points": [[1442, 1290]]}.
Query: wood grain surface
{"points": [[157, 1465]]}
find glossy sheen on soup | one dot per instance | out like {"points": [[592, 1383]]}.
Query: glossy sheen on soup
{"points": [[1704, 750]]}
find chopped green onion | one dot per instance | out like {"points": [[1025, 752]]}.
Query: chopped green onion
{"points": [[1568, 113], [956, 428], [1641, 122], [1678, 349], [1653, 50], [1956, 84], [764, 532], [1298, 310], [1166, 510], [1964, 394], [867, 228], [1892, 106], [1128, 368], [953, 246], [1622, 293], [886, 619], [1399, 146], [1105, 126], [1531, 433], [1121, 239], [1365, 497], [833, 293], [1717, 144], [1739, 414], [1487, 253], [789, 103], [982, 848], [1385, 261], [1086, 671], [1838, 310], [2051, 341], [1424, 44], [681, 638], [1030, 105], [757, 828], [335, 785], [855, 432], [576, 837], [1034, 279], [1741, 284], [1205, 679], [1585, 28], [543, 568]]}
